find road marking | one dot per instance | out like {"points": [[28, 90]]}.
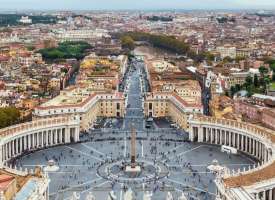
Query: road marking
{"points": [[93, 149], [195, 188], [121, 191], [75, 186], [182, 153], [125, 144], [171, 150], [141, 148], [65, 172], [181, 191], [185, 194], [205, 165], [58, 165], [86, 154], [94, 187]]}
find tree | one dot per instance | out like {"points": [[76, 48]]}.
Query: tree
{"points": [[64, 70], [169, 43], [256, 80], [237, 87], [9, 116], [127, 43], [30, 48], [226, 93], [249, 90], [227, 59], [249, 80], [232, 90], [272, 67], [66, 50], [239, 58], [209, 56], [265, 82], [263, 70]]}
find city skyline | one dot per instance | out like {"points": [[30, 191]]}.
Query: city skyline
{"points": [[138, 5]]}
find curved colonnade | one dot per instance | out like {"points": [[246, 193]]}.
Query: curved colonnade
{"points": [[38, 134], [256, 183], [255, 141]]}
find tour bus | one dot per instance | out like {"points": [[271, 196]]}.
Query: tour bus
{"points": [[229, 150]]}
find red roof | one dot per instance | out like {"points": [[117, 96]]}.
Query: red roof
{"points": [[4, 58], [5, 180]]}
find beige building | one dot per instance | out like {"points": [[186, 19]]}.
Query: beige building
{"points": [[235, 78], [189, 90], [54, 83], [160, 66], [244, 52], [173, 94], [170, 104], [227, 51], [83, 102], [168, 78]]}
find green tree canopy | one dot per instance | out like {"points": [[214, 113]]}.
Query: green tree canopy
{"points": [[9, 116], [169, 43], [127, 42], [272, 67], [66, 50], [256, 80], [263, 70]]}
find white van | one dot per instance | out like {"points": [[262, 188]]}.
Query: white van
{"points": [[229, 150]]}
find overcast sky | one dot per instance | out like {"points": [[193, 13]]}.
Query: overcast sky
{"points": [[135, 4]]}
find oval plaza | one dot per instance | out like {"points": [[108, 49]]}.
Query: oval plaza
{"points": [[60, 146]]}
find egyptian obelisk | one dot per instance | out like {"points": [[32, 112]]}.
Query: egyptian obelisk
{"points": [[133, 148]]}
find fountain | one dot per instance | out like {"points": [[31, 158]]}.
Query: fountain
{"points": [[128, 195], [182, 197], [169, 196], [51, 167], [75, 196], [215, 167], [147, 195], [90, 196], [111, 196]]}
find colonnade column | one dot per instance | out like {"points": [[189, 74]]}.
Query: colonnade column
{"points": [[47, 137], [55, 137], [11, 149], [25, 143], [270, 194]]}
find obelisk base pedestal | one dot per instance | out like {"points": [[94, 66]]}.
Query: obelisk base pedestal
{"points": [[135, 169]]}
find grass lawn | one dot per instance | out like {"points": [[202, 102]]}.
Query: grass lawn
{"points": [[272, 86]]}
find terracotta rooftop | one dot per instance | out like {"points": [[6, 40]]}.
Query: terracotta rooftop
{"points": [[251, 178], [5, 180]]}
